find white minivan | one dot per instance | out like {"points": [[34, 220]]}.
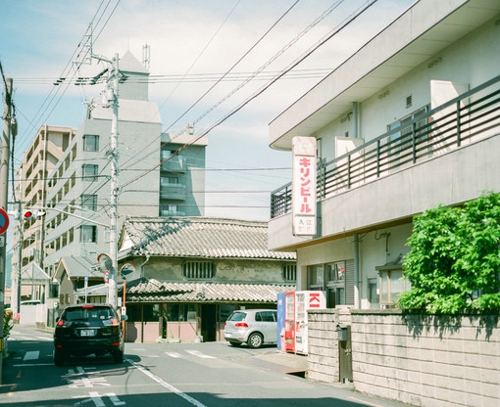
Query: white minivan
{"points": [[255, 327]]}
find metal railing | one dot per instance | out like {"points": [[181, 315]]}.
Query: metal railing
{"points": [[467, 119]]}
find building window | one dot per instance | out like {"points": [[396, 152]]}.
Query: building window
{"points": [[89, 172], [88, 234], [199, 269], [289, 272], [90, 142], [166, 181], [391, 285], [336, 279], [89, 202]]}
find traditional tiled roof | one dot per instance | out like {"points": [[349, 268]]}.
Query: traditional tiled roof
{"points": [[200, 237], [151, 290]]}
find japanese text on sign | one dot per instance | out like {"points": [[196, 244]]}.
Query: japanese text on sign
{"points": [[304, 186]]}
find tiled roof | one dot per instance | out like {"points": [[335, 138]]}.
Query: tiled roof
{"points": [[200, 237], [151, 290]]}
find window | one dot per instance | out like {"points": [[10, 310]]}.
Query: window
{"points": [[89, 202], [90, 142], [199, 269], [391, 285], [89, 172], [403, 140], [265, 316], [88, 234], [289, 272], [166, 181], [336, 279]]}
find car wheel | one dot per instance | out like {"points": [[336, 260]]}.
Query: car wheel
{"points": [[235, 344], [118, 356], [255, 340], [58, 358]]}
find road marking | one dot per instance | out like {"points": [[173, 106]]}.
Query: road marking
{"points": [[32, 355], [198, 354], [168, 386], [174, 354]]}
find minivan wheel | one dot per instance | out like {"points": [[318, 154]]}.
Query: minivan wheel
{"points": [[255, 340]]}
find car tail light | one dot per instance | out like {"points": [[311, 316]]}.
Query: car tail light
{"points": [[241, 325], [87, 306]]}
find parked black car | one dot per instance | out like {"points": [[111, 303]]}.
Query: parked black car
{"points": [[87, 329]]}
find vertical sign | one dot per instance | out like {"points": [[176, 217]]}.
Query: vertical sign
{"points": [[304, 186]]}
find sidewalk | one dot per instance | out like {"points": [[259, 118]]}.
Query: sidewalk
{"points": [[276, 360]]}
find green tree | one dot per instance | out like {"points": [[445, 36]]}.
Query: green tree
{"points": [[454, 262]]}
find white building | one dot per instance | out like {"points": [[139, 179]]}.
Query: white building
{"points": [[408, 122], [155, 179]]}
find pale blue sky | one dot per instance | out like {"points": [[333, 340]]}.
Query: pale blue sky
{"points": [[188, 37]]}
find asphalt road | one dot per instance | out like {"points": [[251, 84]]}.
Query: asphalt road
{"points": [[210, 374]]}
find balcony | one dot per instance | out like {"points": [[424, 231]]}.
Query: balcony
{"points": [[444, 156], [175, 164], [175, 192]]}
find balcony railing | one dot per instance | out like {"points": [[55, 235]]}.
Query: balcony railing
{"points": [[467, 119], [175, 164]]}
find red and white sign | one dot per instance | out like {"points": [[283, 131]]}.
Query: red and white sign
{"points": [[304, 186], [4, 221], [106, 276]]}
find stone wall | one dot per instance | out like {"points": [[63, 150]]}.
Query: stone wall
{"points": [[422, 361]]}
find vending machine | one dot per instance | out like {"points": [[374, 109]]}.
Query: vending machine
{"points": [[280, 342], [290, 322], [304, 301]]}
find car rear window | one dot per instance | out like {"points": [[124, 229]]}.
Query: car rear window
{"points": [[237, 316], [88, 314]]}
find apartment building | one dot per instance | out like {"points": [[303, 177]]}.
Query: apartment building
{"points": [[45, 151], [155, 179], [408, 122]]}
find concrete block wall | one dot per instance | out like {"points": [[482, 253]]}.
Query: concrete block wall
{"points": [[323, 357], [418, 360]]}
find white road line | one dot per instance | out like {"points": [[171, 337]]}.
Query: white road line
{"points": [[198, 354], [168, 386], [174, 354], [32, 355]]}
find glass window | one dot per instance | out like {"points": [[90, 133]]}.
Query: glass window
{"points": [[89, 172], [89, 202], [181, 312], [88, 233], [90, 142], [316, 276]]}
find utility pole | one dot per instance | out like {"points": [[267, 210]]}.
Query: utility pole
{"points": [[110, 99], [113, 155], [4, 191]]}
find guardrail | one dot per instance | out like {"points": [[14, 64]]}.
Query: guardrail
{"points": [[470, 117]]}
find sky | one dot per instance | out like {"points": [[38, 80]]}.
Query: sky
{"points": [[192, 45]]}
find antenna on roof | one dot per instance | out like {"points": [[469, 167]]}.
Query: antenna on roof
{"points": [[146, 53], [86, 53]]}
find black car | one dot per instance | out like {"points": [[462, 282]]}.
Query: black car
{"points": [[87, 329]]}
